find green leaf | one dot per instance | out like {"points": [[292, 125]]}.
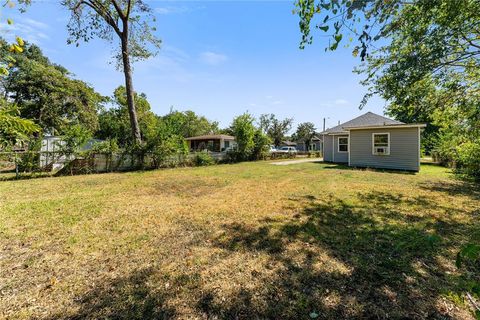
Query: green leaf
{"points": [[323, 28], [326, 18], [338, 37], [20, 41], [355, 52], [9, 21]]}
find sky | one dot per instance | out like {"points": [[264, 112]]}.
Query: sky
{"points": [[218, 58]]}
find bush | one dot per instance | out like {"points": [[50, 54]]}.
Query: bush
{"points": [[261, 146], [468, 159], [30, 161], [463, 157], [203, 159]]}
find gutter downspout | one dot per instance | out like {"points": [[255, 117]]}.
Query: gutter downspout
{"points": [[333, 148]]}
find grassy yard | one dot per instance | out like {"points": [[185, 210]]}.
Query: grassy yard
{"points": [[245, 241]]}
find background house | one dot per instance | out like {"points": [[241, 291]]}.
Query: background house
{"points": [[288, 143], [316, 144], [371, 140], [213, 142], [52, 156]]}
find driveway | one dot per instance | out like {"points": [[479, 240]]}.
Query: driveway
{"points": [[288, 162]]}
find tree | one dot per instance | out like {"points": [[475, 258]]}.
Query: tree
{"points": [[422, 57], [189, 124], [114, 123], [276, 129], [47, 94], [305, 132], [127, 20], [13, 129], [243, 129]]}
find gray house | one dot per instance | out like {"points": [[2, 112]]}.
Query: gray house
{"points": [[315, 144], [374, 141]]}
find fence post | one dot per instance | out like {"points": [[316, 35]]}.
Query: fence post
{"points": [[16, 167]]}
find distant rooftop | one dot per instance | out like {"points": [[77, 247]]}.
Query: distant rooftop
{"points": [[212, 137], [368, 119]]}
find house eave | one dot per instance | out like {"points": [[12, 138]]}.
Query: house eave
{"points": [[388, 126]]}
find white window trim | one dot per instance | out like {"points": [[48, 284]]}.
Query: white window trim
{"points": [[338, 144], [373, 143]]}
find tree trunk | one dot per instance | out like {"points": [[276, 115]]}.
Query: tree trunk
{"points": [[129, 87]]}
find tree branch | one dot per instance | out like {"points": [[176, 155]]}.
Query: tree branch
{"points": [[103, 12], [119, 10]]}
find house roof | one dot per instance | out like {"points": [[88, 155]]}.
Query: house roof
{"points": [[288, 143], [316, 137], [368, 119], [212, 137]]}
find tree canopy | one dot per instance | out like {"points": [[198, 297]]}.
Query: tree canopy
{"points": [[421, 56], [48, 94], [130, 22], [305, 132], [275, 128]]}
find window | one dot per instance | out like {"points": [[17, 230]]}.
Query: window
{"points": [[381, 144], [342, 144], [227, 144]]}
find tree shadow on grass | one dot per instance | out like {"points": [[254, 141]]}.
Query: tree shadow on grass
{"points": [[128, 297], [455, 188], [337, 166], [379, 262]]}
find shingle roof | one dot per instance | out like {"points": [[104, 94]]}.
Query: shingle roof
{"points": [[365, 120]]}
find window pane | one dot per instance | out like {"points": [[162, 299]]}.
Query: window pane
{"points": [[381, 139], [342, 140], [343, 147]]}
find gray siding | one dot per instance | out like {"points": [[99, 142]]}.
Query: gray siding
{"points": [[404, 149], [340, 157], [330, 150], [327, 148]]}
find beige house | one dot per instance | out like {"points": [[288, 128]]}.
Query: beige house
{"points": [[212, 142]]}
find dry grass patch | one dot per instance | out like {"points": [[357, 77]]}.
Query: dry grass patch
{"points": [[243, 241]]}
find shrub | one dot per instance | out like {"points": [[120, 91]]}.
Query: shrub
{"points": [[203, 159], [261, 146], [30, 161], [463, 157]]}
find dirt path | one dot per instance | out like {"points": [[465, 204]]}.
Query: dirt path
{"points": [[288, 162]]}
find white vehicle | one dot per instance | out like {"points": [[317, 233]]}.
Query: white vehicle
{"points": [[287, 150], [272, 149]]}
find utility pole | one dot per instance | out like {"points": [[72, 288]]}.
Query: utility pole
{"points": [[323, 123]]}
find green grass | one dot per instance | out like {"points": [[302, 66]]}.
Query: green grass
{"points": [[249, 240]]}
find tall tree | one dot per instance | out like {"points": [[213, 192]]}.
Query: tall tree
{"points": [[114, 123], [275, 128], [48, 94], [129, 21], [306, 132]]}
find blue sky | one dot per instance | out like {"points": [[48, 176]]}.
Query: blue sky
{"points": [[219, 59]]}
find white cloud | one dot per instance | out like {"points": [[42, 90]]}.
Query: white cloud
{"points": [[31, 30], [176, 9], [35, 23], [212, 58], [341, 101]]}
